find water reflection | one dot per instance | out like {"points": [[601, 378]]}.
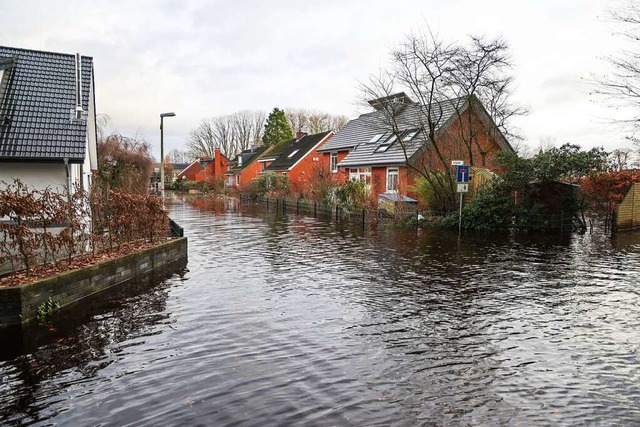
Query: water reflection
{"points": [[287, 319], [43, 362]]}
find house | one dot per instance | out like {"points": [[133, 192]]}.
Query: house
{"points": [[368, 150], [297, 158], [206, 168], [244, 168], [47, 119]]}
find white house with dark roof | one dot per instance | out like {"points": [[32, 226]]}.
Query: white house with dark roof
{"points": [[47, 118]]}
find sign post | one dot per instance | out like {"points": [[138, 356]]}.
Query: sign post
{"points": [[462, 172]]}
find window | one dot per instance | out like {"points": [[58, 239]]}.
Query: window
{"points": [[408, 135], [376, 137], [293, 153], [360, 174], [392, 180], [238, 179], [239, 161], [386, 144], [230, 180], [334, 162]]}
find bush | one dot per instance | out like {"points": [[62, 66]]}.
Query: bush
{"points": [[45, 224], [433, 192], [492, 210], [353, 195], [271, 184]]}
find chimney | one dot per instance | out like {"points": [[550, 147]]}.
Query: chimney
{"points": [[217, 163], [300, 135]]}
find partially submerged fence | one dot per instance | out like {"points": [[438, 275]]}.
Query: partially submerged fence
{"points": [[399, 211]]}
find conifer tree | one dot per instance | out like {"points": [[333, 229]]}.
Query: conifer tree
{"points": [[277, 129]]}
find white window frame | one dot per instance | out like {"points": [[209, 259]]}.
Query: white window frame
{"points": [[293, 153], [333, 163], [377, 137], [360, 174], [392, 187]]}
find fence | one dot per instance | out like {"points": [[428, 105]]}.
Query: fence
{"points": [[399, 212], [627, 215], [558, 221]]}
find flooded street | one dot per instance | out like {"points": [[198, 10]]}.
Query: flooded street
{"points": [[285, 319]]}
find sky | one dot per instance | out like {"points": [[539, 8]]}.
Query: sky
{"points": [[202, 59]]}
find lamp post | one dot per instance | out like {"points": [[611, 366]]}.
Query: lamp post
{"points": [[162, 116]]}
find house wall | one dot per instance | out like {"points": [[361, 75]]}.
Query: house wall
{"points": [[305, 172], [250, 173], [342, 175], [190, 172], [452, 148], [38, 175]]}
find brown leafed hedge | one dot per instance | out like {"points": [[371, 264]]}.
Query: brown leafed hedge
{"points": [[47, 228]]}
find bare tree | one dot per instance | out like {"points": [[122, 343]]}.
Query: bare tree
{"points": [[311, 121], [297, 118], [232, 134], [622, 85], [444, 77], [180, 156], [620, 159]]}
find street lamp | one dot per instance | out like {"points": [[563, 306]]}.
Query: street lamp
{"points": [[162, 116]]}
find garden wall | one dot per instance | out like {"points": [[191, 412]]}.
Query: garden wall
{"points": [[20, 304]]}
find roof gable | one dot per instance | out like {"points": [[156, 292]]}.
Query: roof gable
{"points": [[294, 150], [248, 157], [37, 105]]}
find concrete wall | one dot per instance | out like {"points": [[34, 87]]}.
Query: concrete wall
{"points": [[20, 304]]}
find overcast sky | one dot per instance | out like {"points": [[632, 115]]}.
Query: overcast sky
{"points": [[207, 58]]}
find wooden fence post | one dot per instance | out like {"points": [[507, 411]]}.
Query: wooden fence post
{"points": [[337, 213]]}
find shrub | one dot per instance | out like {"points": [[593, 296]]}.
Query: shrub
{"points": [[29, 238], [353, 195], [270, 184]]}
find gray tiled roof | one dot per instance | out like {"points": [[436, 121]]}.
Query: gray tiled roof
{"points": [[288, 156], [363, 128], [37, 98]]}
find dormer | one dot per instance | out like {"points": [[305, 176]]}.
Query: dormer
{"points": [[6, 64], [396, 101]]}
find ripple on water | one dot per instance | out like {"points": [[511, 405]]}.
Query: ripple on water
{"points": [[291, 320]]}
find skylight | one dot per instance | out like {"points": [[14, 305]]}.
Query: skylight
{"points": [[293, 153], [376, 137], [408, 136], [382, 148]]}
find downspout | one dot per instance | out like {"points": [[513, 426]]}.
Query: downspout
{"points": [[68, 172]]}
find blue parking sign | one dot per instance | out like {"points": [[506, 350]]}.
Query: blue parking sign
{"points": [[463, 173]]}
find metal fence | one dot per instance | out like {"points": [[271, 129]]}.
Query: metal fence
{"points": [[401, 211]]}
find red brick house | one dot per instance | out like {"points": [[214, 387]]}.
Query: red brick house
{"points": [[206, 168], [367, 149], [297, 158], [245, 167]]}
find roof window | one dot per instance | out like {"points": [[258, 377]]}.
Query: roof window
{"points": [[293, 153], [377, 137], [409, 135]]}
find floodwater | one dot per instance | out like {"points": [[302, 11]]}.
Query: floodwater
{"points": [[291, 320]]}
